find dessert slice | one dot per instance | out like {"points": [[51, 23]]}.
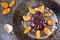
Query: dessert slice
{"points": [[48, 14], [50, 22], [47, 31], [41, 8], [26, 18], [27, 29], [38, 34], [32, 11]]}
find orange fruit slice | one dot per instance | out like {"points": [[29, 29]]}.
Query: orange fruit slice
{"points": [[4, 4], [48, 14], [51, 22], [47, 31], [41, 8], [6, 11], [26, 18], [38, 34], [27, 29], [32, 11], [12, 3]]}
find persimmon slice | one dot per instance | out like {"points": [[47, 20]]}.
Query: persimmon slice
{"points": [[32, 11], [4, 4], [51, 22], [26, 18], [48, 14], [38, 34], [47, 31], [27, 29], [12, 3], [6, 11], [41, 8]]}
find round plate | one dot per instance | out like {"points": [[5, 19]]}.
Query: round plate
{"points": [[22, 9]]}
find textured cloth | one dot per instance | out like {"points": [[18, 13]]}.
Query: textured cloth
{"points": [[8, 19]]}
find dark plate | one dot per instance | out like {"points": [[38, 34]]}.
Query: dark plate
{"points": [[22, 9]]}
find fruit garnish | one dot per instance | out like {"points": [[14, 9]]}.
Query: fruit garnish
{"points": [[48, 14], [6, 11], [4, 4], [27, 29], [38, 34], [41, 8], [32, 11], [12, 3], [51, 22], [47, 31], [26, 18]]}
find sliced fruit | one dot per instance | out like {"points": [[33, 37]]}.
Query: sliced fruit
{"points": [[26, 18], [27, 29], [32, 11], [48, 14], [47, 31], [4, 4], [41, 8], [12, 3], [6, 11], [38, 34], [51, 22]]}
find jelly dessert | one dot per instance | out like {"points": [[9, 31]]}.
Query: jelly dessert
{"points": [[38, 22]]}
